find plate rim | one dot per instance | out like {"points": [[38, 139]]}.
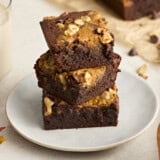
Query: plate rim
{"points": [[87, 149]]}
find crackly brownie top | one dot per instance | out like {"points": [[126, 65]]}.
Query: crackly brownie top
{"points": [[86, 77], [104, 99], [87, 27]]}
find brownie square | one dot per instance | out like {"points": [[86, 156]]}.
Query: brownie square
{"points": [[78, 39], [77, 75], [76, 87], [98, 112], [133, 9]]}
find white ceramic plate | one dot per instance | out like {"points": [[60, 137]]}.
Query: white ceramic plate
{"points": [[138, 109]]}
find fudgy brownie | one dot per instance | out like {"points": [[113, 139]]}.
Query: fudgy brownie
{"points": [[97, 112], [78, 39], [76, 87], [133, 9]]}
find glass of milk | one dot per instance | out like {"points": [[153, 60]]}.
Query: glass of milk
{"points": [[5, 37]]}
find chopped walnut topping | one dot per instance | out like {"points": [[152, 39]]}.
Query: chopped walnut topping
{"points": [[99, 30], [106, 98], [87, 75], [88, 78], [79, 22], [72, 29], [86, 18], [106, 38], [106, 95], [113, 91], [60, 25], [94, 15], [48, 104], [105, 35], [62, 78], [142, 71]]}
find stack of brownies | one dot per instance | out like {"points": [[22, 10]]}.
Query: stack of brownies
{"points": [[78, 72]]}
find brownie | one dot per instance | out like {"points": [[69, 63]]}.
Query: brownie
{"points": [[78, 39], [100, 111], [76, 87], [133, 9]]}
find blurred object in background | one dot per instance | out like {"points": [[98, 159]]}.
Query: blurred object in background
{"points": [[5, 37], [133, 34], [134, 9]]}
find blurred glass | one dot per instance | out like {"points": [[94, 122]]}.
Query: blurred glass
{"points": [[5, 37]]}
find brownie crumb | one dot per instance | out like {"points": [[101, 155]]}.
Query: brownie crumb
{"points": [[154, 39], [142, 71], [132, 52]]}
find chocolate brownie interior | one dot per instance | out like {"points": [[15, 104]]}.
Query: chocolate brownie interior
{"points": [[99, 111], [77, 86]]}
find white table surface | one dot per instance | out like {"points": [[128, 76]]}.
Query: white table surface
{"points": [[28, 44]]}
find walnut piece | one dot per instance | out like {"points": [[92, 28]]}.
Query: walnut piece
{"points": [[86, 18], [72, 29], [48, 104], [62, 78], [79, 22], [106, 37], [106, 98], [142, 71], [60, 25], [89, 77], [99, 30]]}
